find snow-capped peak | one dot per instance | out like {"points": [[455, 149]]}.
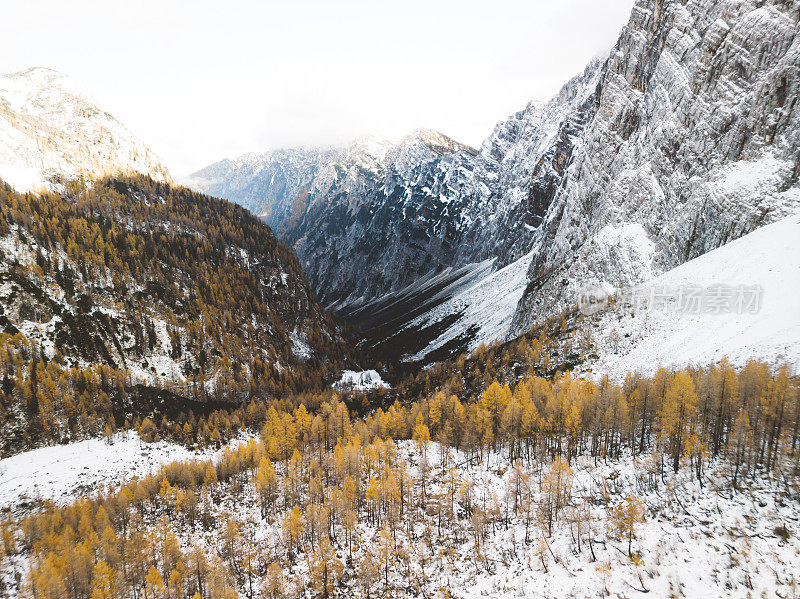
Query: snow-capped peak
{"points": [[50, 129], [439, 142]]}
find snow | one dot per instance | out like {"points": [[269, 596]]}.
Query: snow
{"points": [[365, 380], [748, 177], [49, 128], [766, 258], [13, 248], [63, 473], [485, 308], [300, 346], [626, 249], [20, 176], [696, 541]]}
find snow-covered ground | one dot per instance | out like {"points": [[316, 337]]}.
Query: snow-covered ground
{"points": [[65, 472], [768, 258], [695, 541], [365, 380]]}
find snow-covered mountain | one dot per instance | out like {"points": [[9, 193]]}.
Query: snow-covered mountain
{"points": [[693, 141], [748, 306], [685, 137], [376, 216], [50, 131], [387, 230], [365, 219]]}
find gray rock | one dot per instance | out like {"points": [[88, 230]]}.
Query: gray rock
{"points": [[684, 138]]}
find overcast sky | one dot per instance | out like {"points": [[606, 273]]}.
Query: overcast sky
{"points": [[199, 81]]}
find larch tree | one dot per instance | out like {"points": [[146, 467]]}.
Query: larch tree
{"points": [[677, 413], [325, 569], [627, 515], [556, 492]]}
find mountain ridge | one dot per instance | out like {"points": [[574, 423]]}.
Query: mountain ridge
{"points": [[683, 138], [51, 131]]}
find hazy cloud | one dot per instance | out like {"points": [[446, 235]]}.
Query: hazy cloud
{"points": [[199, 81]]}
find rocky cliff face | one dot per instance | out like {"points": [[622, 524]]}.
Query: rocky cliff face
{"points": [[684, 138], [693, 141], [50, 131], [374, 217]]}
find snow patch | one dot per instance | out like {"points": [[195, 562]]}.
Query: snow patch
{"points": [[300, 347], [365, 380], [63, 473]]}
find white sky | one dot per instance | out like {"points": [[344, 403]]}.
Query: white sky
{"points": [[199, 81]]}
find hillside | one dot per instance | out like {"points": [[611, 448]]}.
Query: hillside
{"points": [[129, 281], [758, 270], [52, 131]]}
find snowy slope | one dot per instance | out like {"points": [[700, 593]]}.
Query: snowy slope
{"points": [[768, 257], [442, 314], [483, 311], [63, 473], [50, 130]]}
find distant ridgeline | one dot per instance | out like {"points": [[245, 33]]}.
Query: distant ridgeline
{"points": [[112, 290]]}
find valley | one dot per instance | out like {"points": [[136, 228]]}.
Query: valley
{"points": [[561, 363]]}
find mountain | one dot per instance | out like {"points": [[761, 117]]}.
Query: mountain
{"points": [[128, 282], [387, 231], [693, 140], [51, 131], [358, 216], [372, 217], [270, 184], [684, 138]]}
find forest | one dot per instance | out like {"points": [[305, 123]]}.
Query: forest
{"points": [[321, 502], [127, 282]]}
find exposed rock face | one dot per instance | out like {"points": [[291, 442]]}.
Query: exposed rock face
{"points": [[50, 131], [373, 217], [694, 141], [376, 229], [684, 138]]}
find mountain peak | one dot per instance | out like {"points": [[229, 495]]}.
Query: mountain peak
{"points": [[50, 130], [439, 142]]}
